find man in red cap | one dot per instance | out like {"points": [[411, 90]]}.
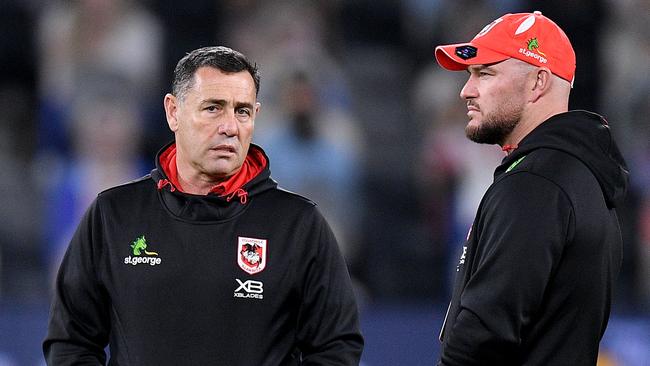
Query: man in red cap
{"points": [[535, 276]]}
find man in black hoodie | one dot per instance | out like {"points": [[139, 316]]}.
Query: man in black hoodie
{"points": [[205, 261], [535, 276]]}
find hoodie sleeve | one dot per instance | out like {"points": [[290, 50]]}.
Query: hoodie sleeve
{"points": [[328, 321], [525, 222], [79, 323]]}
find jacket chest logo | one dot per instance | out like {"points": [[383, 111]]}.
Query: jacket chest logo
{"points": [[141, 255], [251, 254]]}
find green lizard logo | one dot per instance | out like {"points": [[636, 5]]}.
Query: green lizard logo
{"points": [[140, 245], [533, 45]]}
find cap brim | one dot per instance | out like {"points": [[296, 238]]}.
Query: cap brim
{"points": [[447, 58]]}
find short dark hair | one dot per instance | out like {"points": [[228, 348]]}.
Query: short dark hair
{"points": [[220, 57]]}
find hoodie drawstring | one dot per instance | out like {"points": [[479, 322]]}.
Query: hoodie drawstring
{"points": [[241, 194], [164, 182], [509, 148]]}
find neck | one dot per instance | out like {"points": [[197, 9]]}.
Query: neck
{"points": [[197, 184], [530, 119], [190, 179]]}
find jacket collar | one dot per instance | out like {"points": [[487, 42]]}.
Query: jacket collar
{"points": [[253, 179], [586, 136]]}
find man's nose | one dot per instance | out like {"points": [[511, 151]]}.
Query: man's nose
{"points": [[229, 125], [469, 90]]}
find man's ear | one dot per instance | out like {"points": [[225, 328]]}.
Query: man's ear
{"points": [[258, 105], [542, 82], [170, 103]]}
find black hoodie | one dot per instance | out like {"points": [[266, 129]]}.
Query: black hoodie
{"points": [[169, 278], [534, 280]]}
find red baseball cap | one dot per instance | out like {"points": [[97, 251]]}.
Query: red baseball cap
{"points": [[530, 37]]}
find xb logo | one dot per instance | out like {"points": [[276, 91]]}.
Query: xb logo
{"points": [[255, 287], [249, 289]]}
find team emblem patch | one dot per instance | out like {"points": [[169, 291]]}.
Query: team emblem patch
{"points": [[251, 254]]}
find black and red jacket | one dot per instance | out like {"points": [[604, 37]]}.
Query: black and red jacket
{"points": [[535, 277], [247, 275]]}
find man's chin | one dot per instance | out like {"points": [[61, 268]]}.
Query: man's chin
{"points": [[472, 132], [221, 173], [480, 136]]}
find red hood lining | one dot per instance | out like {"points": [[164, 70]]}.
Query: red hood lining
{"points": [[254, 164]]}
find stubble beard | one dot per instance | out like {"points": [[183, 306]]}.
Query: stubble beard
{"points": [[496, 126]]}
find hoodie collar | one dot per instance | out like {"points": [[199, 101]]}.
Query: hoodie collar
{"points": [[220, 204], [586, 136], [254, 163]]}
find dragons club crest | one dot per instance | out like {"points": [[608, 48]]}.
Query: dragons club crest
{"points": [[251, 254]]}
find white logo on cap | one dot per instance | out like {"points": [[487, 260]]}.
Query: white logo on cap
{"points": [[488, 27], [525, 25]]}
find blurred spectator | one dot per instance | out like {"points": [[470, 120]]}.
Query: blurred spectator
{"points": [[99, 65], [294, 38], [316, 153], [106, 132], [80, 38], [394, 261]]}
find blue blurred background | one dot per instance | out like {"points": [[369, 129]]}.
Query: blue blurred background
{"points": [[355, 114]]}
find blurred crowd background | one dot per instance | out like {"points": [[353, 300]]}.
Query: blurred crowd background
{"points": [[355, 115]]}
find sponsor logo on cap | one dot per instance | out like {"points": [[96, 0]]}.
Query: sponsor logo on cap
{"points": [[466, 52], [532, 51]]}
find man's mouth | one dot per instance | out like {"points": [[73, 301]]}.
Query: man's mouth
{"points": [[225, 148]]}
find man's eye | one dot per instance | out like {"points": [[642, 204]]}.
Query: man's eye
{"points": [[244, 111], [212, 108]]}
